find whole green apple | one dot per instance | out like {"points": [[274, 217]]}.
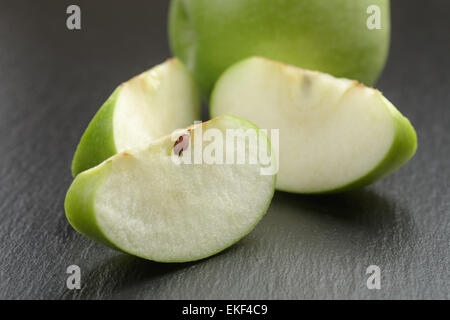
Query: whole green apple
{"points": [[345, 38]]}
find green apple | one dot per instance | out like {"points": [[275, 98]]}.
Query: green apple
{"points": [[334, 134], [144, 203], [140, 110], [331, 36]]}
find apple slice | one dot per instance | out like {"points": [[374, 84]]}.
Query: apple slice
{"points": [[335, 134], [140, 110], [144, 203]]}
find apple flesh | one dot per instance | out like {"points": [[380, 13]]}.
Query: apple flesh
{"points": [[140, 110], [143, 203], [335, 134], [326, 35]]}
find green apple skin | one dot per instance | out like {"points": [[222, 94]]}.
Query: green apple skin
{"points": [[79, 201], [97, 142], [323, 35]]}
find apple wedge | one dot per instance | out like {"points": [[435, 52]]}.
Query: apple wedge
{"points": [[144, 203], [139, 111], [335, 134]]}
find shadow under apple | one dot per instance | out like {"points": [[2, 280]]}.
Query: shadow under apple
{"points": [[123, 273], [365, 220], [300, 234]]}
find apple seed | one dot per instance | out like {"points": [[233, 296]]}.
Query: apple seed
{"points": [[181, 144]]}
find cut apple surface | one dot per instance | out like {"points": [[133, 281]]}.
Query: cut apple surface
{"points": [[334, 134], [139, 111], [144, 203]]}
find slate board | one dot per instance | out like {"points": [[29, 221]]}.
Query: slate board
{"points": [[52, 82]]}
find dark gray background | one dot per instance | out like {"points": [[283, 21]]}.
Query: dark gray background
{"points": [[53, 80]]}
